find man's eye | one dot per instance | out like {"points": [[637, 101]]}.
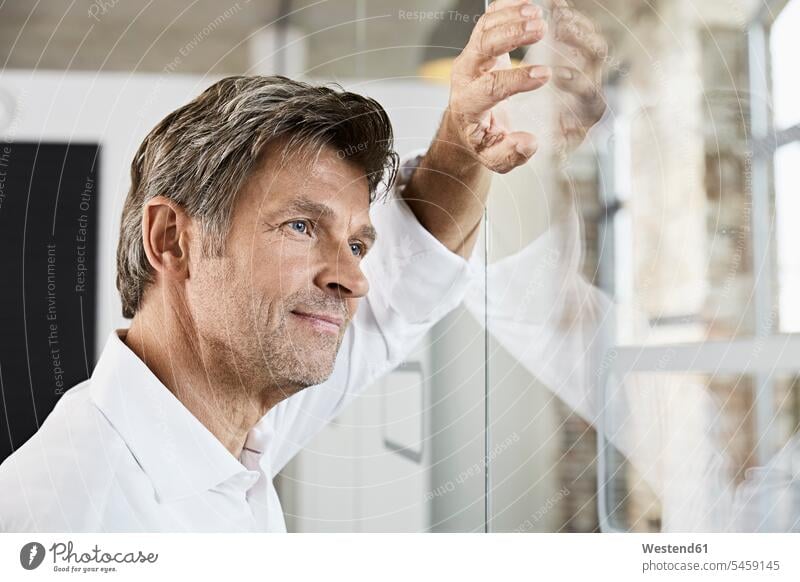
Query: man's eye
{"points": [[299, 226], [358, 249]]}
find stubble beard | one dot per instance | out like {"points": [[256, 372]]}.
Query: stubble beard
{"points": [[294, 357]]}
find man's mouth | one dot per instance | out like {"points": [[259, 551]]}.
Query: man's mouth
{"points": [[321, 321]]}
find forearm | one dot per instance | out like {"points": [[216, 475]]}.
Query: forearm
{"points": [[447, 193]]}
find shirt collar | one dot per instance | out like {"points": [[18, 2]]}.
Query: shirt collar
{"points": [[176, 451]]}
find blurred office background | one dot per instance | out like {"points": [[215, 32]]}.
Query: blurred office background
{"points": [[685, 195]]}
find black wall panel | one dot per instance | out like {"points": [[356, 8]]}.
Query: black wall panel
{"points": [[48, 226]]}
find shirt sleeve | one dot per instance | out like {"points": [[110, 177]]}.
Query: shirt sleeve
{"points": [[414, 282]]}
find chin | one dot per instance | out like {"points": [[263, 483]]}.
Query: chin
{"points": [[307, 367], [307, 378], [316, 372], [300, 359]]}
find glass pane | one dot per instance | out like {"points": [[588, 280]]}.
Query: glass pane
{"points": [[785, 46], [456, 490], [639, 235], [692, 455], [787, 204]]}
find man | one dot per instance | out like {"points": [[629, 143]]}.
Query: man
{"points": [[245, 260]]}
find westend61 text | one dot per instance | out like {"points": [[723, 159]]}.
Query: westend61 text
{"points": [[673, 549]]}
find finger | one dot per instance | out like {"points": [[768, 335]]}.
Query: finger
{"points": [[591, 45], [509, 15], [514, 149], [572, 129], [564, 13], [578, 31], [495, 86], [586, 103], [571, 124], [575, 82], [500, 40], [558, 7], [500, 4]]}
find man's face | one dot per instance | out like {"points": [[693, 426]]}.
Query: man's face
{"points": [[290, 279]]}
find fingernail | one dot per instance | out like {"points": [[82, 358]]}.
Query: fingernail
{"points": [[529, 10], [565, 74]]}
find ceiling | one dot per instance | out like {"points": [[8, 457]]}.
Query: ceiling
{"points": [[207, 36], [343, 38]]}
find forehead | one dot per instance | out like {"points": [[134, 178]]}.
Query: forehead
{"points": [[324, 177]]}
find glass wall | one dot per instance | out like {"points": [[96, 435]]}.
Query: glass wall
{"points": [[674, 233]]}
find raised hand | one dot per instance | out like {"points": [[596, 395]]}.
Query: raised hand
{"points": [[581, 53], [482, 78]]}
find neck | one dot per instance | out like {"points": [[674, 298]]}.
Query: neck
{"points": [[203, 378]]}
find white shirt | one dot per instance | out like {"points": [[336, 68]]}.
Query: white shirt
{"points": [[120, 453]]}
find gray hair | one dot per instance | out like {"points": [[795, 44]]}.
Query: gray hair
{"points": [[202, 154]]}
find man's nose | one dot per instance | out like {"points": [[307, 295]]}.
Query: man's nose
{"points": [[341, 276]]}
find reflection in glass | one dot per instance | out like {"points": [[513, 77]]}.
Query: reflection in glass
{"points": [[692, 465], [787, 207]]}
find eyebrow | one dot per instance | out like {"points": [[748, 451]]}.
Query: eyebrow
{"points": [[319, 210], [306, 206], [368, 232]]}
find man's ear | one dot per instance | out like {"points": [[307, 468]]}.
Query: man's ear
{"points": [[166, 230]]}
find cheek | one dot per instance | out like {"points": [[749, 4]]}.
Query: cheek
{"points": [[269, 271], [272, 285], [287, 269], [220, 284], [212, 293]]}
